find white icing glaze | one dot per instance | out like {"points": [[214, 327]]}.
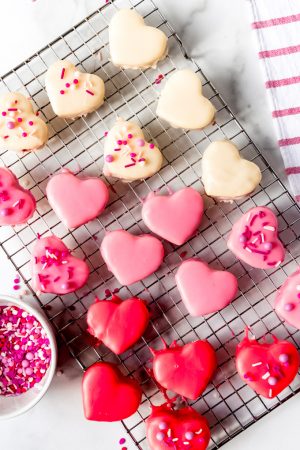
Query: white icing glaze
{"points": [[182, 104], [71, 99], [130, 161], [20, 128], [133, 44], [225, 174]]}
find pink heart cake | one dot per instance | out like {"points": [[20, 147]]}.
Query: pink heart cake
{"points": [[287, 302], [254, 239], [131, 258], [76, 200], [17, 204], [204, 290], [174, 217], [54, 269]]}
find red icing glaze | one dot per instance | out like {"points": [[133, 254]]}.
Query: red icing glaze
{"points": [[109, 396], [118, 324], [267, 368], [176, 429], [17, 204], [186, 370]]}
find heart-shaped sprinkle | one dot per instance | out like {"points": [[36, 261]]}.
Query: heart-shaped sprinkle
{"points": [[179, 429], [287, 302], [76, 200], [204, 290], [133, 44], [107, 395], [131, 258], [182, 104], [267, 368], [174, 217], [73, 93], [118, 324], [54, 269], [17, 204], [185, 370], [20, 128], [225, 175], [127, 155], [254, 239]]}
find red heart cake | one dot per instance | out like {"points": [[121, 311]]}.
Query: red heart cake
{"points": [[254, 239], [17, 204], [118, 324], [108, 395], [267, 368], [176, 429], [186, 370]]}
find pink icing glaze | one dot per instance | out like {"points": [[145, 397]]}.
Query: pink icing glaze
{"points": [[131, 258], [54, 269], [254, 239], [287, 302], [174, 217], [17, 204], [76, 200], [203, 289]]}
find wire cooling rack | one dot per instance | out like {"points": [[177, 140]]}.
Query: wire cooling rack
{"points": [[228, 404]]}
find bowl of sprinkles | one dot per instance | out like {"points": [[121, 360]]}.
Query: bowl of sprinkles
{"points": [[28, 356]]}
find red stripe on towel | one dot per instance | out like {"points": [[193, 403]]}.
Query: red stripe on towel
{"points": [[292, 170], [276, 21], [279, 51], [289, 141], [282, 82], [286, 112]]}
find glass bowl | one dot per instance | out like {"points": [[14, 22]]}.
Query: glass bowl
{"points": [[12, 406]]}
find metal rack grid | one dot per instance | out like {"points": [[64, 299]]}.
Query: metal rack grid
{"points": [[229, 405]]}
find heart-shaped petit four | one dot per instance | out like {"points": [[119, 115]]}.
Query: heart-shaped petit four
{"points": [[17, 204], [225, 174], [54, 269], [267, 368], [133, 44], [287, 301], [174, 217], [254, 239], [185, 370], [182, 104], [107, 395], [118, 324], [76, 200], [73, 93], [20, 128], [131, 258], [127, 155], [204, 290], [167, 428]]}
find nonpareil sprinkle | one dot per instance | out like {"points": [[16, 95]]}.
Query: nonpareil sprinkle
{"points": [[25, 352]]}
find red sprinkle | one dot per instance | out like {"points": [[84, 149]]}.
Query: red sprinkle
{"points": [[62, 73], [62, 92], [12, 109], [25, 352], [89, 92], [75, 81]]}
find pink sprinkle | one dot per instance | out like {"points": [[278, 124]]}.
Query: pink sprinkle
{"points": [[30, 123], [105, 133], [151, 146], [75, 81], [16, 287], [62, 73], [132, 155], [89, 92], [253, 219], [141, 160], [109, 158], [62, 92], [17, 280], [122, 441], [3, 113], [68, 85], [107, 293], [129, 165], [140, 142], [6, 137], [124, 142], [24, 134], [129, 136], [19, 119], [12, 109], [117, 149], [116, 290], [119, 142]]}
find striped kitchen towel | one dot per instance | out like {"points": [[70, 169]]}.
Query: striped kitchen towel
{"points": [[277, 26]]}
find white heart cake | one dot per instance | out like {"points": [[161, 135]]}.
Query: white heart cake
{"points": [[182, 104], [133, 44], [127, 155], [73, 93], [20, 128], [225, 174]]}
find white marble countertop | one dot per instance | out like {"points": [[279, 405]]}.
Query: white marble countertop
{"points": [[218, 35]]}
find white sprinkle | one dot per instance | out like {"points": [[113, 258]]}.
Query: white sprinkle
{"points": [[266, 375], [175, 439], [169, 432], [262, 237], [298, 287], [254, 240], [257, 364], [198, 432], [44, 266], [248, 249], [278, 263], [249, 217], [64, 262], [268, 227], [16, 203], [186, 443], [270, 393]]}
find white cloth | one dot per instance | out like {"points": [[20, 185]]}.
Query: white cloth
{"points": [[277, 27]]}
